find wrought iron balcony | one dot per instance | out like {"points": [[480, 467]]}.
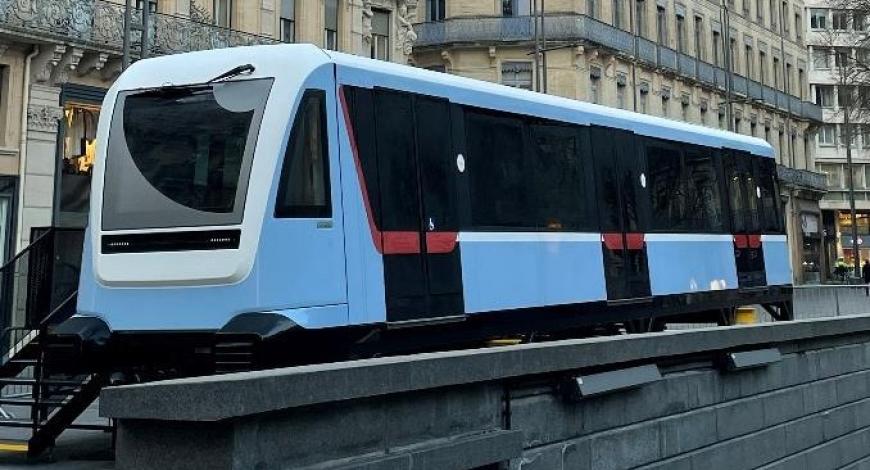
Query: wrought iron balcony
{"points": [[581, 29], [99, 25]]}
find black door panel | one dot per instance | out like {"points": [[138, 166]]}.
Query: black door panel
{"points": [[622, 208]]}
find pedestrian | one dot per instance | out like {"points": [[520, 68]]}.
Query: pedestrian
{"points": [[865, 273]]}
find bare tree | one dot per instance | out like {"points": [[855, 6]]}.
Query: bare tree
{"points": [[846, 42]]}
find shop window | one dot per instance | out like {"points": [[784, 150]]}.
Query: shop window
{"points": [[79, 146], [304, 188]]}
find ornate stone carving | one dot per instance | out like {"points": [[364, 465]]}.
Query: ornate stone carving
{"points": [[68, 63], [367, 15], [44, 63], [404, 22], [92, 62], [43, 117]]}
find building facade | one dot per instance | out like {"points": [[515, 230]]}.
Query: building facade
{"points": [[58, 57], [832, 37], [661, 57]]}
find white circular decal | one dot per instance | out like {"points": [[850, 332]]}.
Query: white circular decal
{"points": [[460, 163]]}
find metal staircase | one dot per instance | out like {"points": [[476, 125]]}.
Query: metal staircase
{"points": [[37, 292]]}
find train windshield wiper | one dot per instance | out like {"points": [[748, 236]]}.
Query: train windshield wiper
{"points": [[246, 69]]}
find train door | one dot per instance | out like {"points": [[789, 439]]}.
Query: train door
{"points": [[744, 198], [419, 226], [622, 210]]}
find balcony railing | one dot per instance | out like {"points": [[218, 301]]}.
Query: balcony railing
{"points": [[584, 29], [801, 178], [99, 24]]}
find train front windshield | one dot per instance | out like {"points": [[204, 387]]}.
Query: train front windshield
{"points": [[181, 156]]}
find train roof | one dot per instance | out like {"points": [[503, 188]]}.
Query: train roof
{"points": [[274, 60], [491, 95]]}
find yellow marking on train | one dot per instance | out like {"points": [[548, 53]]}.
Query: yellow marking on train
{"points": [[13, 447], [746, 316]]}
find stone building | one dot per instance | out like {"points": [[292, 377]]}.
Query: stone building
{"points": [[661, 57], [833, 36], [58, 57]]}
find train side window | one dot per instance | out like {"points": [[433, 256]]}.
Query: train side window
{"points": [[303, 191], [497, 178], [753, 194], [770, 210], [558, 178], [704, 204], [667, 188], [735, 193]]}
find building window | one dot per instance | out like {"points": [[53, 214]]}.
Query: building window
{"points": [[737, 122], [640, 17], [821, 59], [595, 85], [859, 22], [517, 74], [662, 25], [380, 35], [644, 97], [759, 11], [833, 174], [841, 57], [666, 102], [818, 18], [773, 14], [784, 13], [704, 105], [747, 52], [681, 33], [825, 96], [746, 7], [516, 7], [827, 135], [798, 26], [753, 127], [684, 107], [621, 81], [801, 83], [776, 72], [617, 13], [844, 96], [592, 8], [288, 20], [762, 67], [717, 49], [840, 20], [722, 116], [700, 51], [733, 53], [223, 13], [436, 10], [330, 17]]}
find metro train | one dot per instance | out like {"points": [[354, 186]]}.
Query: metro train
{"points": [[294, 200]]}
